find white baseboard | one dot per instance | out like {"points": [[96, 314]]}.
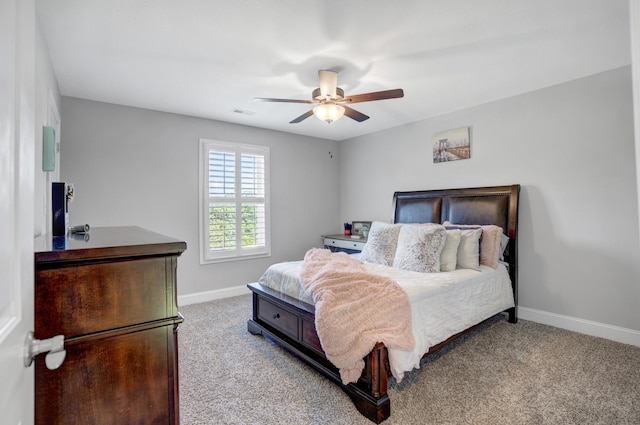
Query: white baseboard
{"points": [[602, 330], [202, 297]]}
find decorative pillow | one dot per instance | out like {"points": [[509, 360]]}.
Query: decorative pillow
{"points": [[490, 243], [469, 249], [449, 255], [419, 247], [504, 242], [381, 243]]}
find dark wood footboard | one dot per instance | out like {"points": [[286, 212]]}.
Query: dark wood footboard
{"points": [[290, 323]]}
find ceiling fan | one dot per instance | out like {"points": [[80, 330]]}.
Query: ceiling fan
{"points": [[331, 104]]}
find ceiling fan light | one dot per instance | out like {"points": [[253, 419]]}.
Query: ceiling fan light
{"points": [[328, 112]]}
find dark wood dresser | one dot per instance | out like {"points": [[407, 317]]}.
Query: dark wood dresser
{"points": [[112, 294]]}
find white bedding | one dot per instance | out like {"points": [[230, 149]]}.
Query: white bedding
{"points": [[442, 304]]}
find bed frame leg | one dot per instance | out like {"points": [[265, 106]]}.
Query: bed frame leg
{"points": [[374, 409], [513, 315], [369, 394], [253, 328]]}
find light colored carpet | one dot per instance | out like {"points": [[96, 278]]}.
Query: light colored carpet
{"points": [[525, 373]]}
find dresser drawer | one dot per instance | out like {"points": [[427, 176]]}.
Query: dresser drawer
{"points": [[338, 244], [118, 379], [279, 318], [87, 298]]}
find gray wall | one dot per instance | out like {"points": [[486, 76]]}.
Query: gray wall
{"points": [[133, 166], [571, 147], [47, 97]]}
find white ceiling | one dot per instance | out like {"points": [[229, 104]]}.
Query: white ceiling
{"points": [[209, 58]]}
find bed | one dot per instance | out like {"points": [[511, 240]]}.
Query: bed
{"points": [[289, 320]]}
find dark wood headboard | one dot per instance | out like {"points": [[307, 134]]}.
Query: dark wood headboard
{"points": [[479, 205]]}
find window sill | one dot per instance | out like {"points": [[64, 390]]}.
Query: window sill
{"points": [[233, 258]]}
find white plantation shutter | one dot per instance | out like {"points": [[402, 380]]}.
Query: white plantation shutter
{"points": [[235, 205]]}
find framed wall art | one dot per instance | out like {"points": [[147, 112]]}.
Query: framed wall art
{"points": [[451, 145]]}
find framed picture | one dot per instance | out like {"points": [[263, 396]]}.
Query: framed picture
{"points": [[451, 145], [357, 227]]}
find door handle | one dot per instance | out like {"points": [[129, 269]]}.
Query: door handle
{"points": [[54, 347]]}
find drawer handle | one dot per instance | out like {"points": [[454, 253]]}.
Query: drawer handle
{"points": [[276, 316]]}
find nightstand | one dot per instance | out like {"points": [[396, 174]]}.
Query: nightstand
{"points": [[341, 243]]}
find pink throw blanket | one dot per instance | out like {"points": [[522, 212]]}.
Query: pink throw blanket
{"points": [[355, 309]]}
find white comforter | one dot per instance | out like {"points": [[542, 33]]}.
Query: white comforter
{"points": [[442, 304]]}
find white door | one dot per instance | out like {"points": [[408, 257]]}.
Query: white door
{"points": [[17, 56]]}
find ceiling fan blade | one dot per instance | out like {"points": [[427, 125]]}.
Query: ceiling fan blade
{"points": [[328, 82], [302, 117], [355, 115], [378, 95], [269, 99]]}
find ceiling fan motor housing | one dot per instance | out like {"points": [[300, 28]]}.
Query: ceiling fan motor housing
{"points": [[317, 94]]}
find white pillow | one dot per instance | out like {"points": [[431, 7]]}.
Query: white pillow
{"points": [[419, 247], [491, 242], [449, 255], [469, 249], [381, 243]]}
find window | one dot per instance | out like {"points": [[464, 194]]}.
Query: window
{"points": [[234, 210]]}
